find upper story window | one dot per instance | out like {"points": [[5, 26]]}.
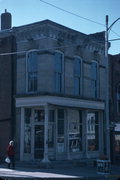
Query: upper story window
{"points": [[32, 71], [118, 98], [94, 79], [59, 72], [77, 76]]}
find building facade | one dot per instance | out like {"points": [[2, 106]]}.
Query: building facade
{"points": [[60, 93], [115, 107], [7, 90]]}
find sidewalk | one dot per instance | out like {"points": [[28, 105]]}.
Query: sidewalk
{"points": [[57, 173]]}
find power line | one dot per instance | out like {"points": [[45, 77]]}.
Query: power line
{"points": [[77, 15], [72, 13]]}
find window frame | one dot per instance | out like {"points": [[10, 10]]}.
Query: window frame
{"points": [[78, 77], [59, 75], [35, 74], [95, 82]]}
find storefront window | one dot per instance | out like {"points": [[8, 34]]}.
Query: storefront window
{"points": [[75, 131], [27, 131], [60, 131], [51, 129], [92, 131], [117, 143]]}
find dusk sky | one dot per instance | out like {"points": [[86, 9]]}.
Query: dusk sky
{"points": [[86, 16]]}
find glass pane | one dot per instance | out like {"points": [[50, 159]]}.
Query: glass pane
{"points": [[75, 131], [39, 141], [51, 116], [51, 136], [60, 113], [117, 143], [27, 131], [58, 62], [92, 131], [32, 61], [32, 81], [77, 67], [39, 115]]}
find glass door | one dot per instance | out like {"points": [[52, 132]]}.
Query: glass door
{"points": [[38, 133], [39, 141]]}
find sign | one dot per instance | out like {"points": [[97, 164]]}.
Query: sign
{"points": [[103, 166]]}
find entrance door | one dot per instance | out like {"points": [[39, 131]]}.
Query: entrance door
{"points": [[38, 141]]}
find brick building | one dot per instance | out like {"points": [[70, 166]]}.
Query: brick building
{"points": [[7, 85], [60, 93], [115, 107], [59, 90]]}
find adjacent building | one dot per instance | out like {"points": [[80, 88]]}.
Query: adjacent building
{"points": [[115, 107], [7, 83]]}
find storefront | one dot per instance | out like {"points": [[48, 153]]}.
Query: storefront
{"points": [[60, 131]]}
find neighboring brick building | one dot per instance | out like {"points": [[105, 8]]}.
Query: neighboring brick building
{"points": [[7, 102], [115, 107]]}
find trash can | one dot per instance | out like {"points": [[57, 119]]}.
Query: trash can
{"points": [[103, 166]]}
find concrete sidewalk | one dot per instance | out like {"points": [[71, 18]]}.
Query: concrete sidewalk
{"points": [[57, 173]]}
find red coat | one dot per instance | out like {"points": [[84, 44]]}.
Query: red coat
{"points": [[10, 150]]}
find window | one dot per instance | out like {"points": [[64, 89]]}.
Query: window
{"points": [[27, 131], [59, 72], [92, 131], [32, 71], [94, 79], [118, 98], [75, 131], [77, 75]]}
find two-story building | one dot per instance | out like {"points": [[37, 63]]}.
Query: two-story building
{"points": [[60, 93]]}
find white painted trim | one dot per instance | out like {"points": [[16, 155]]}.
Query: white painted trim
{"points": [[60, 101]]}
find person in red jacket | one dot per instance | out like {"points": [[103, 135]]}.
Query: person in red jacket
{"points": [[11, 154]]}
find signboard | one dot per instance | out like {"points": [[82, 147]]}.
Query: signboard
{"points": [[103, 166]]}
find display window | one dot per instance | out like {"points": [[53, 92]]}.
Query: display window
{"points": [[27, 131], [75, 131], [92, 131]]}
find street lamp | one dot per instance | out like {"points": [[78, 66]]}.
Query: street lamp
{"points": [[107, 87]]}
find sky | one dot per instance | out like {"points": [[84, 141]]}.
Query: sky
{"points": [[86, 16]]}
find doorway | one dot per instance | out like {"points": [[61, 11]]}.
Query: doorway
{"points": [[38, 134]]}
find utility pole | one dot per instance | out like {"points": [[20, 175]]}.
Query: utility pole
{"points": [[107, 85], [107, 93]]}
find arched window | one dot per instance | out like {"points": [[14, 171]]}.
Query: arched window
{"points": [[31, 71], [118, 98], [77, 75], [59, 72]]}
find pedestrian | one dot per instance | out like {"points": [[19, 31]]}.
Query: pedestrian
{"points": [[11, 154]]}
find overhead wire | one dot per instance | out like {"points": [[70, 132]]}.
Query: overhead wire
{"points": [[77, 15], [72, 13]]}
